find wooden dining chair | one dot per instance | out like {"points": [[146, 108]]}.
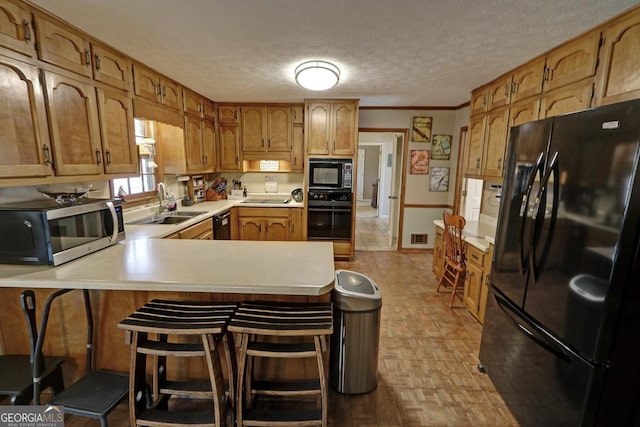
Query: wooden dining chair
{"points": [[455, 263]]}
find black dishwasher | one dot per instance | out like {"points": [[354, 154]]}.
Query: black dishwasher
{"points": [[222, 226]]}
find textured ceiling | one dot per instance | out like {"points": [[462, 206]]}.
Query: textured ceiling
{"points": [[391, 53]]}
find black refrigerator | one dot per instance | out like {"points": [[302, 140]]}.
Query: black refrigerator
{"points": [[561, 338]]}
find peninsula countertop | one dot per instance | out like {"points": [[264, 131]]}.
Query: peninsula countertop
{"points": [[222, 266]]}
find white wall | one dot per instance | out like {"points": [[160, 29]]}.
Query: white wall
{"points": [[448, 122]]}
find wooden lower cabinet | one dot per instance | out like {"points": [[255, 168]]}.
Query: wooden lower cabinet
{"points": [[438, 253], [275, 224], [476, 284], [200, 231], [343, 250]]}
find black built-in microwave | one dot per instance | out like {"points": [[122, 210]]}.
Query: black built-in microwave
{"points": [[330, 174]]}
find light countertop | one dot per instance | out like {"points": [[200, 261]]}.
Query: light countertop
{"points": [[159, 231], [477, 233], [223, 266], [146, 262]]}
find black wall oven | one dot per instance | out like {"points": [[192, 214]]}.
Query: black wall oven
{"points": [[329, 215]]}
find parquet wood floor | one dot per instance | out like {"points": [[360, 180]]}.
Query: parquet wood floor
{"points": [[427, 372]]}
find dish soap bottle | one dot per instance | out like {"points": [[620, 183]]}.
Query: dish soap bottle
{"points": [[244, 192], [172, 205]]}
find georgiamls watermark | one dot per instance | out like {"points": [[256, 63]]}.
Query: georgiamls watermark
{"points": [[32, 416]]}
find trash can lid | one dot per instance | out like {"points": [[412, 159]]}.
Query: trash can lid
{"points": [[350, 283]]}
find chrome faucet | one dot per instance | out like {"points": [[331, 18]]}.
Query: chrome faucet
{"points": [[162, 197]]}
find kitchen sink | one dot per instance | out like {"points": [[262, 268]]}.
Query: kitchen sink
{"points": [[175, 217]]}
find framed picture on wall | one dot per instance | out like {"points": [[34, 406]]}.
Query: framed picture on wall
{"points": [[419, 162], [421, 129], [439, 179], [441, 147]]}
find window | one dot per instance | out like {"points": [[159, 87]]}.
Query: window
{"points": [[143, 185]]}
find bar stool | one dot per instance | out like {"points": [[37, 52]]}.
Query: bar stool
{"points": [[179, 320], [283, 331]]}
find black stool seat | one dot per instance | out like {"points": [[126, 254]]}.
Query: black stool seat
{"points": [[16, 373], [94, 395]]}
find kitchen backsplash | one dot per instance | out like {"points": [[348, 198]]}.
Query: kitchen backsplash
{"points": [[255, 182]]}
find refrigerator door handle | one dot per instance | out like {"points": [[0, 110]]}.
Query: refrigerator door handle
{"points": [[524, 211], [536, 266], [553, 347]]}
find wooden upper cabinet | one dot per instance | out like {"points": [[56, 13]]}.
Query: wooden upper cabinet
{"points": [[567, 99], [254, 128], [479, 100], [344, 128], [279, 128], [24, 141], [110, 67], [266, 128], [297, 149], [120, 152], [196, 153], [228, 114], [527, 81], [318, 120], [495, 143], [229, 148], [152, 86], [197, 105], [473, 161], [209, 145], [171, 94], [572, 62], [524, 112], [63, 47], [146, 83], [499, 93], [15, 29], [297, 112], [619, 73], [193, 144], [522, 83], [331, 127], [73, 122]]}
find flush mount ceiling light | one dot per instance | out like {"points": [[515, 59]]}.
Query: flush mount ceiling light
{"points": [[317, 75]]}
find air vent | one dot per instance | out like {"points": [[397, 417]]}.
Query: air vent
{"points": [[419, 239]]}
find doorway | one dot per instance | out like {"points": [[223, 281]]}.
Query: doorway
{"points": [[379, 171]]}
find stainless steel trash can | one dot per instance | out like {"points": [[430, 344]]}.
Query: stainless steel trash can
{"points": [[353, 364]]}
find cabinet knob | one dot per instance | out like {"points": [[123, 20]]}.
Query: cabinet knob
{"points": [[99, 156], [97, 59], [107, 154], [47, 154], [87, 57]]}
